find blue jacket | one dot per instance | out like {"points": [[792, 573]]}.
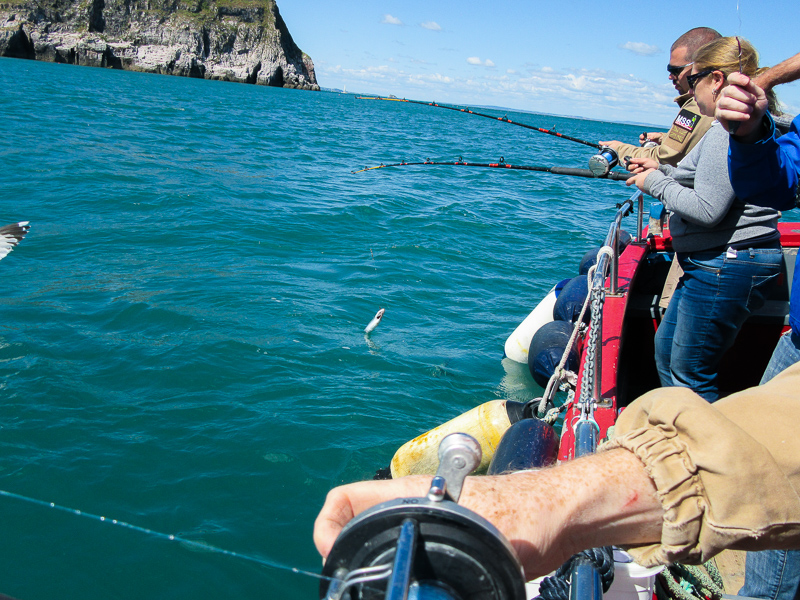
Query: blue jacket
{"points": [[767, 174]]}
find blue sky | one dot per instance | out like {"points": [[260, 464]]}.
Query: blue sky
{"points": [[600, 60]]}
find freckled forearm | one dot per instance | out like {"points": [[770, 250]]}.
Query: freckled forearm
{"points": [[550, 515]]}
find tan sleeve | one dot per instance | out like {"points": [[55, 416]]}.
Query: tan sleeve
{"points": [[687, 129], [727, 474]]}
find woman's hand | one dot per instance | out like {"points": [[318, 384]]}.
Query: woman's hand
{"points": [[638, 165], [638, 179]]}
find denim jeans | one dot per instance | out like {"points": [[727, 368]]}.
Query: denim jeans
{"points": [[716, 294], [772, 574], [775, 574]]}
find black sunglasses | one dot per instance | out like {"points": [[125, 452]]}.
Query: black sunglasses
{"points": [[676, 71], [692, 79]]}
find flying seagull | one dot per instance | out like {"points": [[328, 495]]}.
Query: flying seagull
{"points": [[11, 235]]}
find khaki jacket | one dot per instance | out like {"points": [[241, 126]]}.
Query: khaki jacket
{"points": [[727, 474], [687, 129]]}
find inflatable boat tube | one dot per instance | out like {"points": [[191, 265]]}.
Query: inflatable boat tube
{"points": [[570, 301], [547, 348], [519, 341], [486, 423], [527, 444]]}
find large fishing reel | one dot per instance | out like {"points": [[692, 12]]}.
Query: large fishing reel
{"points": [[601, 163], [426, 548]]}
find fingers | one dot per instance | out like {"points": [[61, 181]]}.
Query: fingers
{"points": [[741, 102], [637, 165], [345, 502], [638, 179], [613, 144]]}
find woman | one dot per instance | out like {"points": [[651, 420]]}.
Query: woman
{"points": [[729, 250]]}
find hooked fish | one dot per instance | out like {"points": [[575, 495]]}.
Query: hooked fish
{"points": [[375, 321]]}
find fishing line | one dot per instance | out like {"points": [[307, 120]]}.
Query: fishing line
{"points": [[613, 175], [167, 536], [504, 119]]}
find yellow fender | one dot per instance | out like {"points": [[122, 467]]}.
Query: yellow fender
{"points": [[486, 423]]}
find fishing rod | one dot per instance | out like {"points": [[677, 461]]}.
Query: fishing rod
{"points": [[504, 118], [600, 164], [613, 175]]}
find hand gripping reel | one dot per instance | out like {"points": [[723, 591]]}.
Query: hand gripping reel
{"points": [[426, 548]]}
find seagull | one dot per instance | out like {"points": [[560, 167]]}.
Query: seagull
{"points": [[11, 235]]}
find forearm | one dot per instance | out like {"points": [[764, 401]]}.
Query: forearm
{"points": [[546, 515], [788, 70]]}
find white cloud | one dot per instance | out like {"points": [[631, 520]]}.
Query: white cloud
{"points": [[641, 48], [474, 60], [579, 83], [390, 20], [572, 91], [432, 25]]}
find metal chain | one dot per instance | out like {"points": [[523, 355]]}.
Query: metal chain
{"points": [[587, 382]]}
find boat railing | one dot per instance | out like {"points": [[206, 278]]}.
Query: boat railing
{"points": [[585, 577]]}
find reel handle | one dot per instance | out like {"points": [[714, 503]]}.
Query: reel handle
{"points": [[459, 455]]}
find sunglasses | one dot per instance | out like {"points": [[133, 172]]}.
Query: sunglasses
{"points": [[692, 79], [676, 71]]}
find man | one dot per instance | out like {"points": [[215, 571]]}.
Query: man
{"points": [[681, 480], [689, 125], [765, 170]]}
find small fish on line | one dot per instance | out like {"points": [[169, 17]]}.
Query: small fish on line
{"points": [[375, 321]]}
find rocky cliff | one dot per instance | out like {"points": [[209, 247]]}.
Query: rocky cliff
{"points": [[230, 40]]}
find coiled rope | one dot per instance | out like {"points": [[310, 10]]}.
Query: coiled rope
{"points": [[688, 582]]}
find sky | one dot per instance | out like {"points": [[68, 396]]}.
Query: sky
{"points": [[597, 60]]}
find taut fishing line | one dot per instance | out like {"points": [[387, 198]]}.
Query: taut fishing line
{"points": [[168, 536], [504, 119]]}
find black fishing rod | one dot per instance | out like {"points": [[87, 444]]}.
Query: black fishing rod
{"points": [[613, 175], [504, 119]]}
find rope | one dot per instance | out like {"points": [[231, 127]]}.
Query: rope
{"points": [[688, 582], [559, 374], [556, 587]]}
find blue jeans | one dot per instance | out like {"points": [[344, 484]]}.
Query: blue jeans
{"points": [[772, 574], [775, 574], [711, 303]]}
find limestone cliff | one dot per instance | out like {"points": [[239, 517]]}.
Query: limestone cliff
{"points": [[231, 40]]}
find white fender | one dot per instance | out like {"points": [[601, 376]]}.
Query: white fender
{"points": [[517, 344]]}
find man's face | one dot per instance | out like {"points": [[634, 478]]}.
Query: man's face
{"points": [[678, 58]]}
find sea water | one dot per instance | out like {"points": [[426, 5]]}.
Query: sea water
{"points": [[182, 337]]}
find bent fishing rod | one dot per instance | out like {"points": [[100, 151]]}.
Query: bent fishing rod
{"points": [[613, 175], [504, 118]]}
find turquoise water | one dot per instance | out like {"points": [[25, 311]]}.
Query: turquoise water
{"points": [[182, 332]]}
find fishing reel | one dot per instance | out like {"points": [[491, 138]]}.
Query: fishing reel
{"points": [[425, 548], [601, 163]]}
